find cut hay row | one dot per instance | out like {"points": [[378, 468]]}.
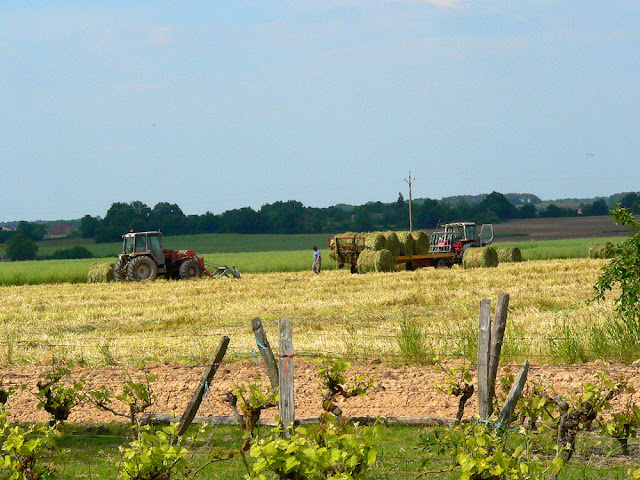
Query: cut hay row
{"points": [[480, 257], [509, 254]]}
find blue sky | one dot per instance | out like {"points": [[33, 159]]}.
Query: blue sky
{"points": [[220, 105]]}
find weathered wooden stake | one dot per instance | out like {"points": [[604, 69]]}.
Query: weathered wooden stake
{"points": [[497, 335], [514, 394], [484, 351], [194, 404], [265, 351], [285, 375]]}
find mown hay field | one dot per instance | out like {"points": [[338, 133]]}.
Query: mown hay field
{"points": [[334, 313]]}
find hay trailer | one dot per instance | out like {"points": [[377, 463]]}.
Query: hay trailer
{"points": [[143, 259], [447, 245]]}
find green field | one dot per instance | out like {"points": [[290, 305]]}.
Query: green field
{"points": [[202, 244], [87, 454], [250, 253], [557, 249]]}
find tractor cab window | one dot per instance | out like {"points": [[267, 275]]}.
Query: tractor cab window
{"points": [[156, 248], [457, 233], [128, 245], [141, 243], [470, 232]]}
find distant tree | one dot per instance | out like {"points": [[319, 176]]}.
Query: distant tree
{"points": [[121, 218], [35, 231], [21, 247], [5, 235], [169, 218], [496, 207], [430, 213], [244, 220], [553, 211], [400, 201], [599, 207], [88, 226], [527, 211], [285, 217], [631, 201]]}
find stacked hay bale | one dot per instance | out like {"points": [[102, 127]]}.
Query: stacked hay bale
{"points": [[393, 243], [375, 241], [100, 273], [509, 254], [407, 243], [341, 241], [421, 240], [599, 250], [480, 257], [376, 261]]}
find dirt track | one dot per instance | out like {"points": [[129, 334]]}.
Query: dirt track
{"points": [[401, 391]]}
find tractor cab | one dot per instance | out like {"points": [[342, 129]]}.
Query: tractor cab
{"points": [[458, 237], [144, 243]]}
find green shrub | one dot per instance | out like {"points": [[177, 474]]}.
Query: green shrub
{"points": [[335, 451]]}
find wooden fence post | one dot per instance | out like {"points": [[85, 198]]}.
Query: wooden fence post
{"points": [[194, 404], [285, 375], [514, 394], [497, 335], [484, 351], [265, 351]]}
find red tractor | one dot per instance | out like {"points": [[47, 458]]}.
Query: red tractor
{"points": [[143, 258], [455, 238]]}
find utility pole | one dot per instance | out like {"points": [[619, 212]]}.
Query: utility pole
{"points": [[410, 181]]}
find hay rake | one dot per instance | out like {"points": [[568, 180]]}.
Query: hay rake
{"points": [[219, 271]]}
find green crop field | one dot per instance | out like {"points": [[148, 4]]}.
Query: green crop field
{"points": [[250, 253], [201, 244]]}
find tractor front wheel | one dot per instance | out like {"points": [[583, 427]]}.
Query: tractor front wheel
{"points": [[190, 269], [120, 270], [142, 269]]}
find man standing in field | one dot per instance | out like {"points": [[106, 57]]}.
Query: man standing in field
{"points": [[317, 260]]}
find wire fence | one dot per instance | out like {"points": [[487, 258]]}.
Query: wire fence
{"points": [[401, 454]]}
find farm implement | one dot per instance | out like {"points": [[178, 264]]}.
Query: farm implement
{"points": [[446, 247], [143, 259]]}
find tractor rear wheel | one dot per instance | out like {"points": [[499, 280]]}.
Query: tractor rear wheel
{"points": [[142, 269], [120, 270], [190, 269]]}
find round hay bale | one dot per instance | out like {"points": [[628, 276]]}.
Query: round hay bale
{"points": [[376, 261], [375, 241], [407, 243], [478, 257], [509, 254], [393, 244], [421, 239], [599, 250], [100, 273]]}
